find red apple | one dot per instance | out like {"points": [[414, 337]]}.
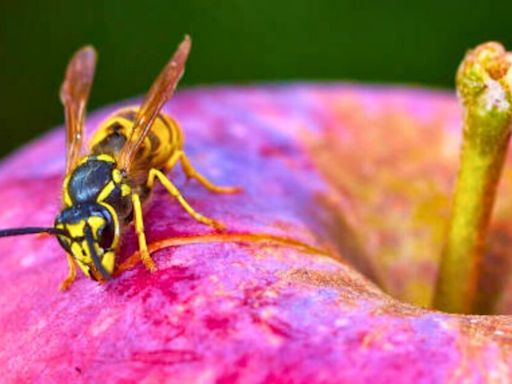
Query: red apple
{"points": [[346, 194]]}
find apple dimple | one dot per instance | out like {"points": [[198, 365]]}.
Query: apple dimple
{"points": [[342, 185]]}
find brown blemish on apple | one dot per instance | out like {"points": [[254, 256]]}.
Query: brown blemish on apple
{"points": [[396, 193]]}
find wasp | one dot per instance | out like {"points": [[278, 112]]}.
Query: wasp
{"points": [[104, 191]]}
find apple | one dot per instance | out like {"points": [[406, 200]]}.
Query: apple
{"points": [[323, 274]]}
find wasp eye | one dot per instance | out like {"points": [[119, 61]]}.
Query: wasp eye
{"points": [[106, 236]]}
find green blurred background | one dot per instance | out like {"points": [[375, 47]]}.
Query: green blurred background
{"points": [[235, 41]]}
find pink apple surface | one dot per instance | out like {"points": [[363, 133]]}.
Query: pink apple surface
{"points": [[338, 230]]}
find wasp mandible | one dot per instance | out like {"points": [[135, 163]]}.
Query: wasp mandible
{"points": [[103, 191]]}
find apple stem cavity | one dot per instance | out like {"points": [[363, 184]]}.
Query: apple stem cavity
{"points": [[484, 83]]}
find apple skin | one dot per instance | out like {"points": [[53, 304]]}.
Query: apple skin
{"points": [[342, 185]]}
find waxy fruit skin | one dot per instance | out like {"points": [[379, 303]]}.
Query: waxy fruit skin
{"points": [[340, 182]]}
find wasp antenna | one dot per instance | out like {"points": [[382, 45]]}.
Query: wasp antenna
{"points": [[31, 230]]}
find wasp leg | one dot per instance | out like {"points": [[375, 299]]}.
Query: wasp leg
{"points": [[191, 172], [173, 191], [173, 160], [139, 229], [71, 274]]}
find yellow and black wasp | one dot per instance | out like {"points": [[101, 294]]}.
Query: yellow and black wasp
{"points": [[103, 191]]}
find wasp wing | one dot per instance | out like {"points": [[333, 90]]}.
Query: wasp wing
{"points": [[74, 94], [159, 93]]}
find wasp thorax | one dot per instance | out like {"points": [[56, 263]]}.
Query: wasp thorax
{"points": [[92, 236]]}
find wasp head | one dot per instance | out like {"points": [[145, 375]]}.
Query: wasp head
{"points": [[92, 234]]}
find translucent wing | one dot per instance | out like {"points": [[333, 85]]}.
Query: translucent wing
{"points": [[74, 94], [159, 93]]}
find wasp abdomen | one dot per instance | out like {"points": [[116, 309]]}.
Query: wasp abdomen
{"points": [[162, 140], [112, 143]]}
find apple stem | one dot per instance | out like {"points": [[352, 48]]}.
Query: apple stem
{"points": [[484, 82]]}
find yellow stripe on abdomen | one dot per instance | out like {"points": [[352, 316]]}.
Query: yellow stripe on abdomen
{"points": [[164, 138]]}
